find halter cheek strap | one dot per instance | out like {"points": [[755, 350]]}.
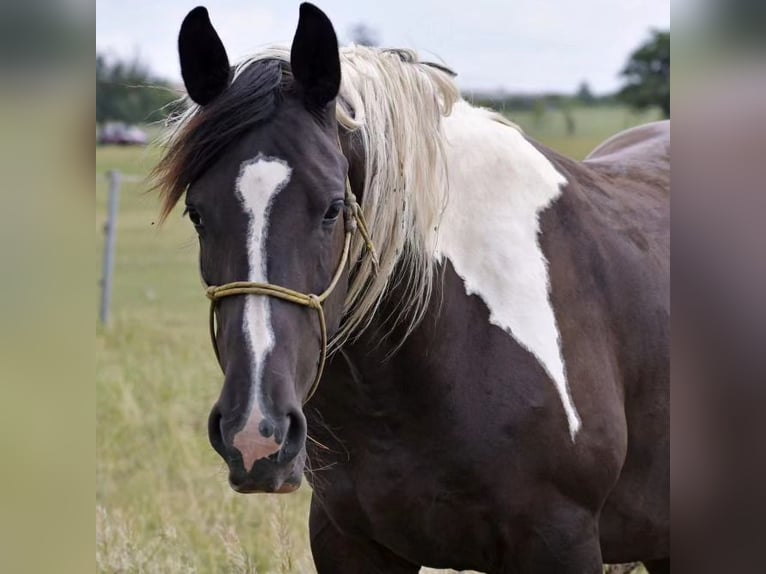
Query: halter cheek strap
{"points": [[354, 220]]}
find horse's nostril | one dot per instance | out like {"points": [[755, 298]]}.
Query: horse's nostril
{"points": [[295, 436], [215, 431], [266, 428], [281, 430]]}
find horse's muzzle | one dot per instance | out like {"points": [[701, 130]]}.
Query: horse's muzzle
{"points": [[280, 472]]}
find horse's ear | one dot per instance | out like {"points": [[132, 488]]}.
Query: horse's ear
{"points": [[314, 57], [204, 63]]}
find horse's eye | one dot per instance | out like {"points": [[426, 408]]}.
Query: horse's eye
{"points": [[194, 216], [333, 211]]}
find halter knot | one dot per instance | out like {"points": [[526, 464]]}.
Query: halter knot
{"points": [[350, 221]]}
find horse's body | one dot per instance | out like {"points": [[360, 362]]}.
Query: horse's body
{"points": [[446, 458], [499, 397]]}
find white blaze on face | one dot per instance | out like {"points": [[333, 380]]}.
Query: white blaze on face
{"points": [[259, 182], [499, 185]]}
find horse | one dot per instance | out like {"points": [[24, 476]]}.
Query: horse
{"points": [[480, 323]]}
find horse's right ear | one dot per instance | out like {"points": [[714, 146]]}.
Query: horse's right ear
{"points": [[204, 63]]}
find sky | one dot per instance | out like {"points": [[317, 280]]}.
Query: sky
{"points": [[513, 45]]}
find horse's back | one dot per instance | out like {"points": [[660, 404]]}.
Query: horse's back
{"points": [[631, 186], [649, 143]]}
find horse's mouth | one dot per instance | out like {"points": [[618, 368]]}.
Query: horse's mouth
{"points": [[273, 480], [252, 488]]}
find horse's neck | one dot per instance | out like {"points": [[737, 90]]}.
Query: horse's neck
{"points": [[489, 240]]}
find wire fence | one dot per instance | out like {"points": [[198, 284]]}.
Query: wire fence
{"points": [[115, 179]]}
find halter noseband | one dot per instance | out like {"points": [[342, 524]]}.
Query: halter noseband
{"points": [[353, 219]]}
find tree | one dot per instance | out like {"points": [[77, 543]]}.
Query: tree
{"points": [[569, 119], [584, 94], [127, 92], [647, 75], [363, 35]]}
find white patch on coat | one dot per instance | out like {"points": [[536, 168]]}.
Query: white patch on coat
{"points": [[499, 184], [259, 182]]}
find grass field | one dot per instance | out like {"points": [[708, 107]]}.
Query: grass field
{"points": [[162, 499], [592, 126]]}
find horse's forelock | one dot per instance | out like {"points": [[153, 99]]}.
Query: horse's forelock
{"points": [[197, 136]]}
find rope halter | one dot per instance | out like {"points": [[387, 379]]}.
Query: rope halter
{"points": [[354, 220]]}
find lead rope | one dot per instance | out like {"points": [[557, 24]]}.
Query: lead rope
{"points": [[353, 220]]}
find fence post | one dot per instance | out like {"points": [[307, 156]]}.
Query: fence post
{"points": [[110, 230]]}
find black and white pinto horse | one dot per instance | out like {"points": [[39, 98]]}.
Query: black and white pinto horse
{"points": [[496, 396]]}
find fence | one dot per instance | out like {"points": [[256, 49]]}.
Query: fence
{"points": [[115, 179]]}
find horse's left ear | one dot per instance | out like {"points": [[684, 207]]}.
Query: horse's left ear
{"points": [[314, 57]]}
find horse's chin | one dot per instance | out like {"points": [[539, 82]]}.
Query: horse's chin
{"points": [[287, 488], [250, 488]]}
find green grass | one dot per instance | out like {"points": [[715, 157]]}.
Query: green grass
{"points": [[592, 126], [162, 499]]}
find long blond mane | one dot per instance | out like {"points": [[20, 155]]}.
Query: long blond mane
{"points": [[396, 104]]}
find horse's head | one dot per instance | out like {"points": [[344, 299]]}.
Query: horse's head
{"points": [[270, 207]]}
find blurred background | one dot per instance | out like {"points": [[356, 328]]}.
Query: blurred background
{"points": [[570, 74]]}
